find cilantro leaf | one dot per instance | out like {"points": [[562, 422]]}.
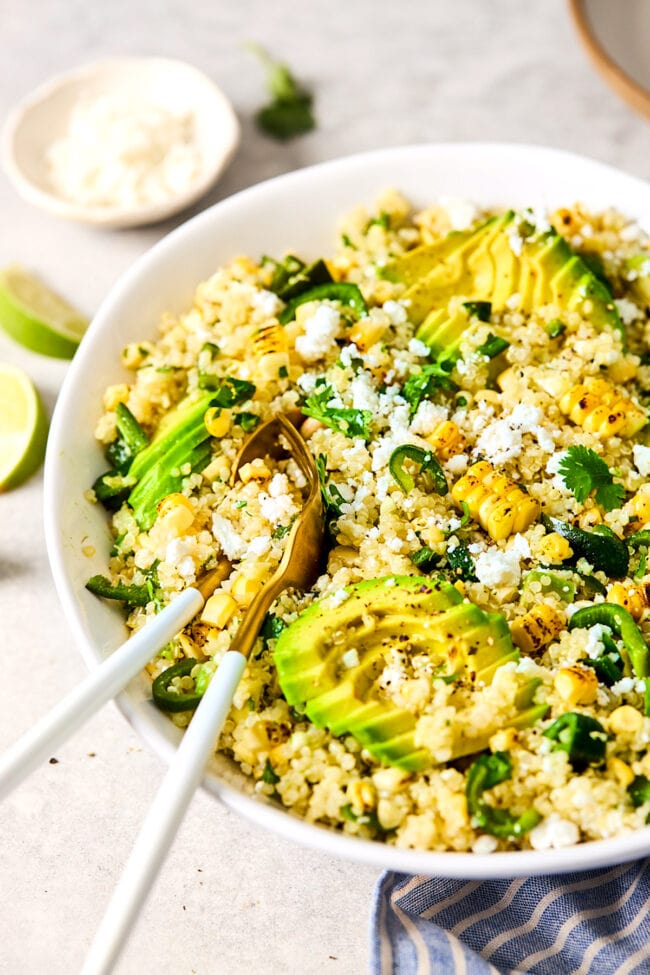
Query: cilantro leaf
{"points": [[290, 112], [424, 384], [352, 423], [583, 471]]}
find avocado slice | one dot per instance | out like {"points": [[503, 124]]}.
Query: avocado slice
{"points": [[491, 264], [331, 658]]}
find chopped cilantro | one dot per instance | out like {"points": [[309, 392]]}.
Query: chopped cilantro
{"points": [[425, 558], [289, 113], [228, 390], [460, 562], [283, 372], [383, 220], [240, 504], [272, 627], [352, 423], [347, 242], [268, 775], [280, 531], [424, 384], [493, 346], [583, 471]]}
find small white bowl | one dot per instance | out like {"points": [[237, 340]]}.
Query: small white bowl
{"points": [[43, 117], [298, 213]]}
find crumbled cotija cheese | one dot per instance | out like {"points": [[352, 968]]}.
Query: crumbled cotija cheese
{"points": [[119, 152]]}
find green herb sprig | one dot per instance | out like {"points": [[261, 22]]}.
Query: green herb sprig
{"points": [[583, 471], [290, 111]]}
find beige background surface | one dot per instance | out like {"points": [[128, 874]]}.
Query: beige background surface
{"points": [[231, 899]]}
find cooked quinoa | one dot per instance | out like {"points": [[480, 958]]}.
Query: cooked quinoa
{"points": [[499, 422]]}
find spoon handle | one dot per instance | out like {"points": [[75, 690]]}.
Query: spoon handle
{"points": [[164, 817], [100, 686]]}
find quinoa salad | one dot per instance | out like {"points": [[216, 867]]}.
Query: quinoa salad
{"points": [[470, 670]]}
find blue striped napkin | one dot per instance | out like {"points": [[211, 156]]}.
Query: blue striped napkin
{"points": [[594, 923]]}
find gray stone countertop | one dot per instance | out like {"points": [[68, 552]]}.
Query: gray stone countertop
{"points": [[231, 898]]}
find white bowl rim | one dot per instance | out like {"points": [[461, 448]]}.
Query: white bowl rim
{"points": [[585, 856], [115, 217]]}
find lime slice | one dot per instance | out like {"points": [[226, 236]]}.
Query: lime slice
{"points": [[23, 427], [37, 317]]}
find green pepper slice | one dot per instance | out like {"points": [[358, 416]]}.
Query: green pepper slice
{"points": [[551, 582], [601, 547], [430, 469], [168, 699], [581, 737], [133, 595], [621, 623], [486, 772], [639, 539], [639, 790], [347, 294]]}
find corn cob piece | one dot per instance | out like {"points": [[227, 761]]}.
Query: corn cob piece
{"points": [[600, 409], [268, 339], [534, 631], [495, 502]]}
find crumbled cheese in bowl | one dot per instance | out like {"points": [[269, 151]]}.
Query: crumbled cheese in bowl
{"points": [[121, 152]]}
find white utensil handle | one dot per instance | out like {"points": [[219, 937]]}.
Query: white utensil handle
{"points": [[100, 686], [164, 816]]}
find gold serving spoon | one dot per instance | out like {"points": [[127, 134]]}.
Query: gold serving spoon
{"points": [[297, 569]]}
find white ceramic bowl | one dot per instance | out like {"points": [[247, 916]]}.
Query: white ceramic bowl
{"points": [[43, 117], [297, 212]]}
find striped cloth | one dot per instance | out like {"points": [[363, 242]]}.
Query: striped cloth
{"points": [[595, 923]]}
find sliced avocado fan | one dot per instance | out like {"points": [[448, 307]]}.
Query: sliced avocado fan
{"points": [[330, 660], [500, 258]]}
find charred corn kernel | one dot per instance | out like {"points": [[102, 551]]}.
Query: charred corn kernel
{"points": [[361, 795], [503, 740], [632, 598], [555, 548], [311, 425], [366, 333], [576, 685], [534, 631], [625, 720], [623, 371], [446, 440], [620, 771], [495, 502], [114, 395], [219, 609], [255, 471], [217, 421], [273, 365], [587, 519], [639, 507], [269, 339], [600, 409], [177, 513]]}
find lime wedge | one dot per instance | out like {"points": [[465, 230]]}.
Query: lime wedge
{"points": [[23, 427], [36, 316]]}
